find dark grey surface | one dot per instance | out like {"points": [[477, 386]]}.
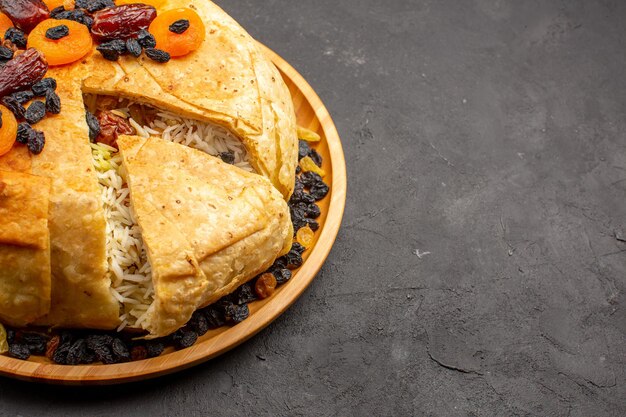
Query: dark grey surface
{"points": [[488, 135]]}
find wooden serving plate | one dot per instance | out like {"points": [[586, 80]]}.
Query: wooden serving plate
{"points": [[312, 114]]}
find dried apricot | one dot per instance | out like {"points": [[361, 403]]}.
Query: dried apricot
{"points": [[8, 131], [305, 236], [154, 3], [265, 285], [178, 44], [5, 23], [53, 4], [66, 50]]}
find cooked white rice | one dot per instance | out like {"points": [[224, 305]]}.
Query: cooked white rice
{"points": [[129, 269]]}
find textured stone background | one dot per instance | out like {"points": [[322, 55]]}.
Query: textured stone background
{"points": [[487, 136]]}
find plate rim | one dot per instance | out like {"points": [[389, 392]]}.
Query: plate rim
{"points": [[275, 307]]}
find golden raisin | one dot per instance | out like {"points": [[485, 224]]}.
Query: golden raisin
{"points": [[308, 135], [308, 165], [305, 236], [265, 285]]}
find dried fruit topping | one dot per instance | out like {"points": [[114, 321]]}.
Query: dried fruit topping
{"points": [[22, 72], [54, 4], [8, 130], [184, 338], [5, 53], [53, 102], [145, 39], [154, 348], [5, 23], [228, 157], [138, 353], [35, 112], [265, 285], [95, 5], [57, 32], [24, 133], [41, 88], [307, 164], [16, 36], [282, 275], [237, 313], [308, 135], [179, 26], [36, 142], [25, 14], [179, 31], [305, 236], [94, 126], [23, 97], [111, 126], [157, 55], [19, 351], [76, 15], [11, 103], [52, 346], [133, 47], [112, 50], [70, 48], [122, 22]]}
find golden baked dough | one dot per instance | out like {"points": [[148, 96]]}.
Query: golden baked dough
{"points": [[24, 247], [200, 213]]}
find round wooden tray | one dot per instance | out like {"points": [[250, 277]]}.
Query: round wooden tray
{"points": [[312, 114]]}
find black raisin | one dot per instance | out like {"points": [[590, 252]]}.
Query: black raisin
{"points": [[133, 47], [184, 338], [76, 15], [94, 126], [313, 211], [294, 260], [319, 191], [244, 294], [12, 104], [238, 313], [157, 55], [199, 323], [35, 112], [215, 316], [316, 157], [57, 32], [16, 36], [19, 351], [120, 350], [112, 50], [23, 97], [60, 354], [36, 142], [282, 275], [24, 133], [53, 102], [303, 149], [297, 248], [10, 335], [36, 342], [5, 53], [179, 26], [154, 348], [310, 178], [41, 88], [95, 5], [100, 345], [314, 225], [146, 39], [228, 157], [76, 353]]}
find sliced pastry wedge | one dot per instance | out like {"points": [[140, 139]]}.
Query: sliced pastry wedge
{"points": [[205, 226]]}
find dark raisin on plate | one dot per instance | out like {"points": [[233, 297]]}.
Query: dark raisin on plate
{"points": [[12, 104], [94, 126], [133, 47], [228, 157], [95, 5], [23, 97], [112, 50], [75, 15], [24, 133], [36, 142], [5, 53]]}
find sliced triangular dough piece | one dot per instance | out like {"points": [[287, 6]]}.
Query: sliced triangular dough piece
{"points": [[236, 223], [80, 286], [24, 248], [228, 81]]}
